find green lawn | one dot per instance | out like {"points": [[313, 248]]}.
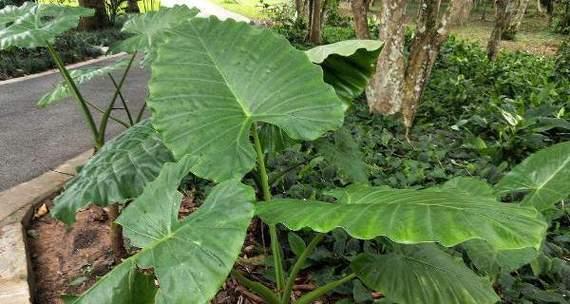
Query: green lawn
{"points": [[249, 8]]}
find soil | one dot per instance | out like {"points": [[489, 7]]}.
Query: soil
{"points": [[68, 260]]}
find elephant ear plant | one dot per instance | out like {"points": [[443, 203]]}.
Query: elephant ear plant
{"points": [[215, 86]]}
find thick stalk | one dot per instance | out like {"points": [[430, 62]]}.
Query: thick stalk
{"points": [[275, 247], [297, 267], [96, 108], [116, 234], [256, 287], [104, 122], [321, 291], [83, 104]]}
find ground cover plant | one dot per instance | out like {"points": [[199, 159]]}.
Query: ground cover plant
{"points": [[275, 132]]}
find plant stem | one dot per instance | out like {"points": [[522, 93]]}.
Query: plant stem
{"points": [[83, 104], [256, 287], [297, 267], [141, 112], [96, 108], [319, 292], [104, 122], [120, 86], [275, 247], [116, 234]]}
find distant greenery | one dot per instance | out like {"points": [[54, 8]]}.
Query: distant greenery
{"points": [[74, 46]]}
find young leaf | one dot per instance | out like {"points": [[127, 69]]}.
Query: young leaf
{"points": [[422, 274], [347, 65], [80, 76], [150, 29], [213, 79], [296, 243], [119, 171], [545, 175], [190, 258], [492, 261], [124, 284], [33, 25], [413, 216]]}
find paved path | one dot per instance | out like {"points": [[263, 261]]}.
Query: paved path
{"points": [[33, 140]]}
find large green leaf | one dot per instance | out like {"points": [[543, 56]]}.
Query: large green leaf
{"points": [[492, 261], [470, 185], [149, 29], [33, 25], [347, 65], [413, 216], [119, 171], [191, 258], [213, 79], [545, 175], [423, 275], [80, 76]]}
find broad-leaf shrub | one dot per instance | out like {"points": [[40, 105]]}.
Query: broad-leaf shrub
{"points": [[214, 86]]}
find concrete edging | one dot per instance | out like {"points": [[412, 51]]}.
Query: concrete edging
{"points": [[16, 210]]}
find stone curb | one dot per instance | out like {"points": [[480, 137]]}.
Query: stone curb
{"points": [[16, 210]]}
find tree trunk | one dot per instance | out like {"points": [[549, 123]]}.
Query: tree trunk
{"points": [[99, 20], [398, 87], [133, 7], [425, 47], [315, 22], [384, 93], [500, 24], [516, 15], [360, 14]]}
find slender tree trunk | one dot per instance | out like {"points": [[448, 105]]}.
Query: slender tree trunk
{"points": [[518, 9], [133, 7], [500, 24], [315, 22], [99, 20], [360, 14], [384, 93], [539, 7], [397, 86]]}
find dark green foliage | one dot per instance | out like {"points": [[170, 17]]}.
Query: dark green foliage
{"points": [[561, 22], [73, 46], [476, 119], [562, 63]]}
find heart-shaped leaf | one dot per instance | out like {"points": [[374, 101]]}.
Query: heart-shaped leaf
{"points": [[80, 76], [544, 175], [492, 261], [214, 79], [422, 274], [413, 216], [150, 29], [119, 171], [191, 258], [33, 25], [347, 65]]}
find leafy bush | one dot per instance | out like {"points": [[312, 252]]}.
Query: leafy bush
{"points": [[562, 63]]}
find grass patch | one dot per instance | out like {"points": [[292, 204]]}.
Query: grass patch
{"points": [[252, 9]]}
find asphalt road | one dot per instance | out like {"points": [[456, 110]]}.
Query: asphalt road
{"points": [[34, 140]]}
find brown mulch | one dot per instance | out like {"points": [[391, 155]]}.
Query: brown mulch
{"points": [[69, 260]]}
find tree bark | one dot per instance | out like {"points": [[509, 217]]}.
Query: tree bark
{"points": [[516, 15], [500, 24], [99, 20], [133, 7], [315, 23], [360, 14], [384, 93], [397, 86]]}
